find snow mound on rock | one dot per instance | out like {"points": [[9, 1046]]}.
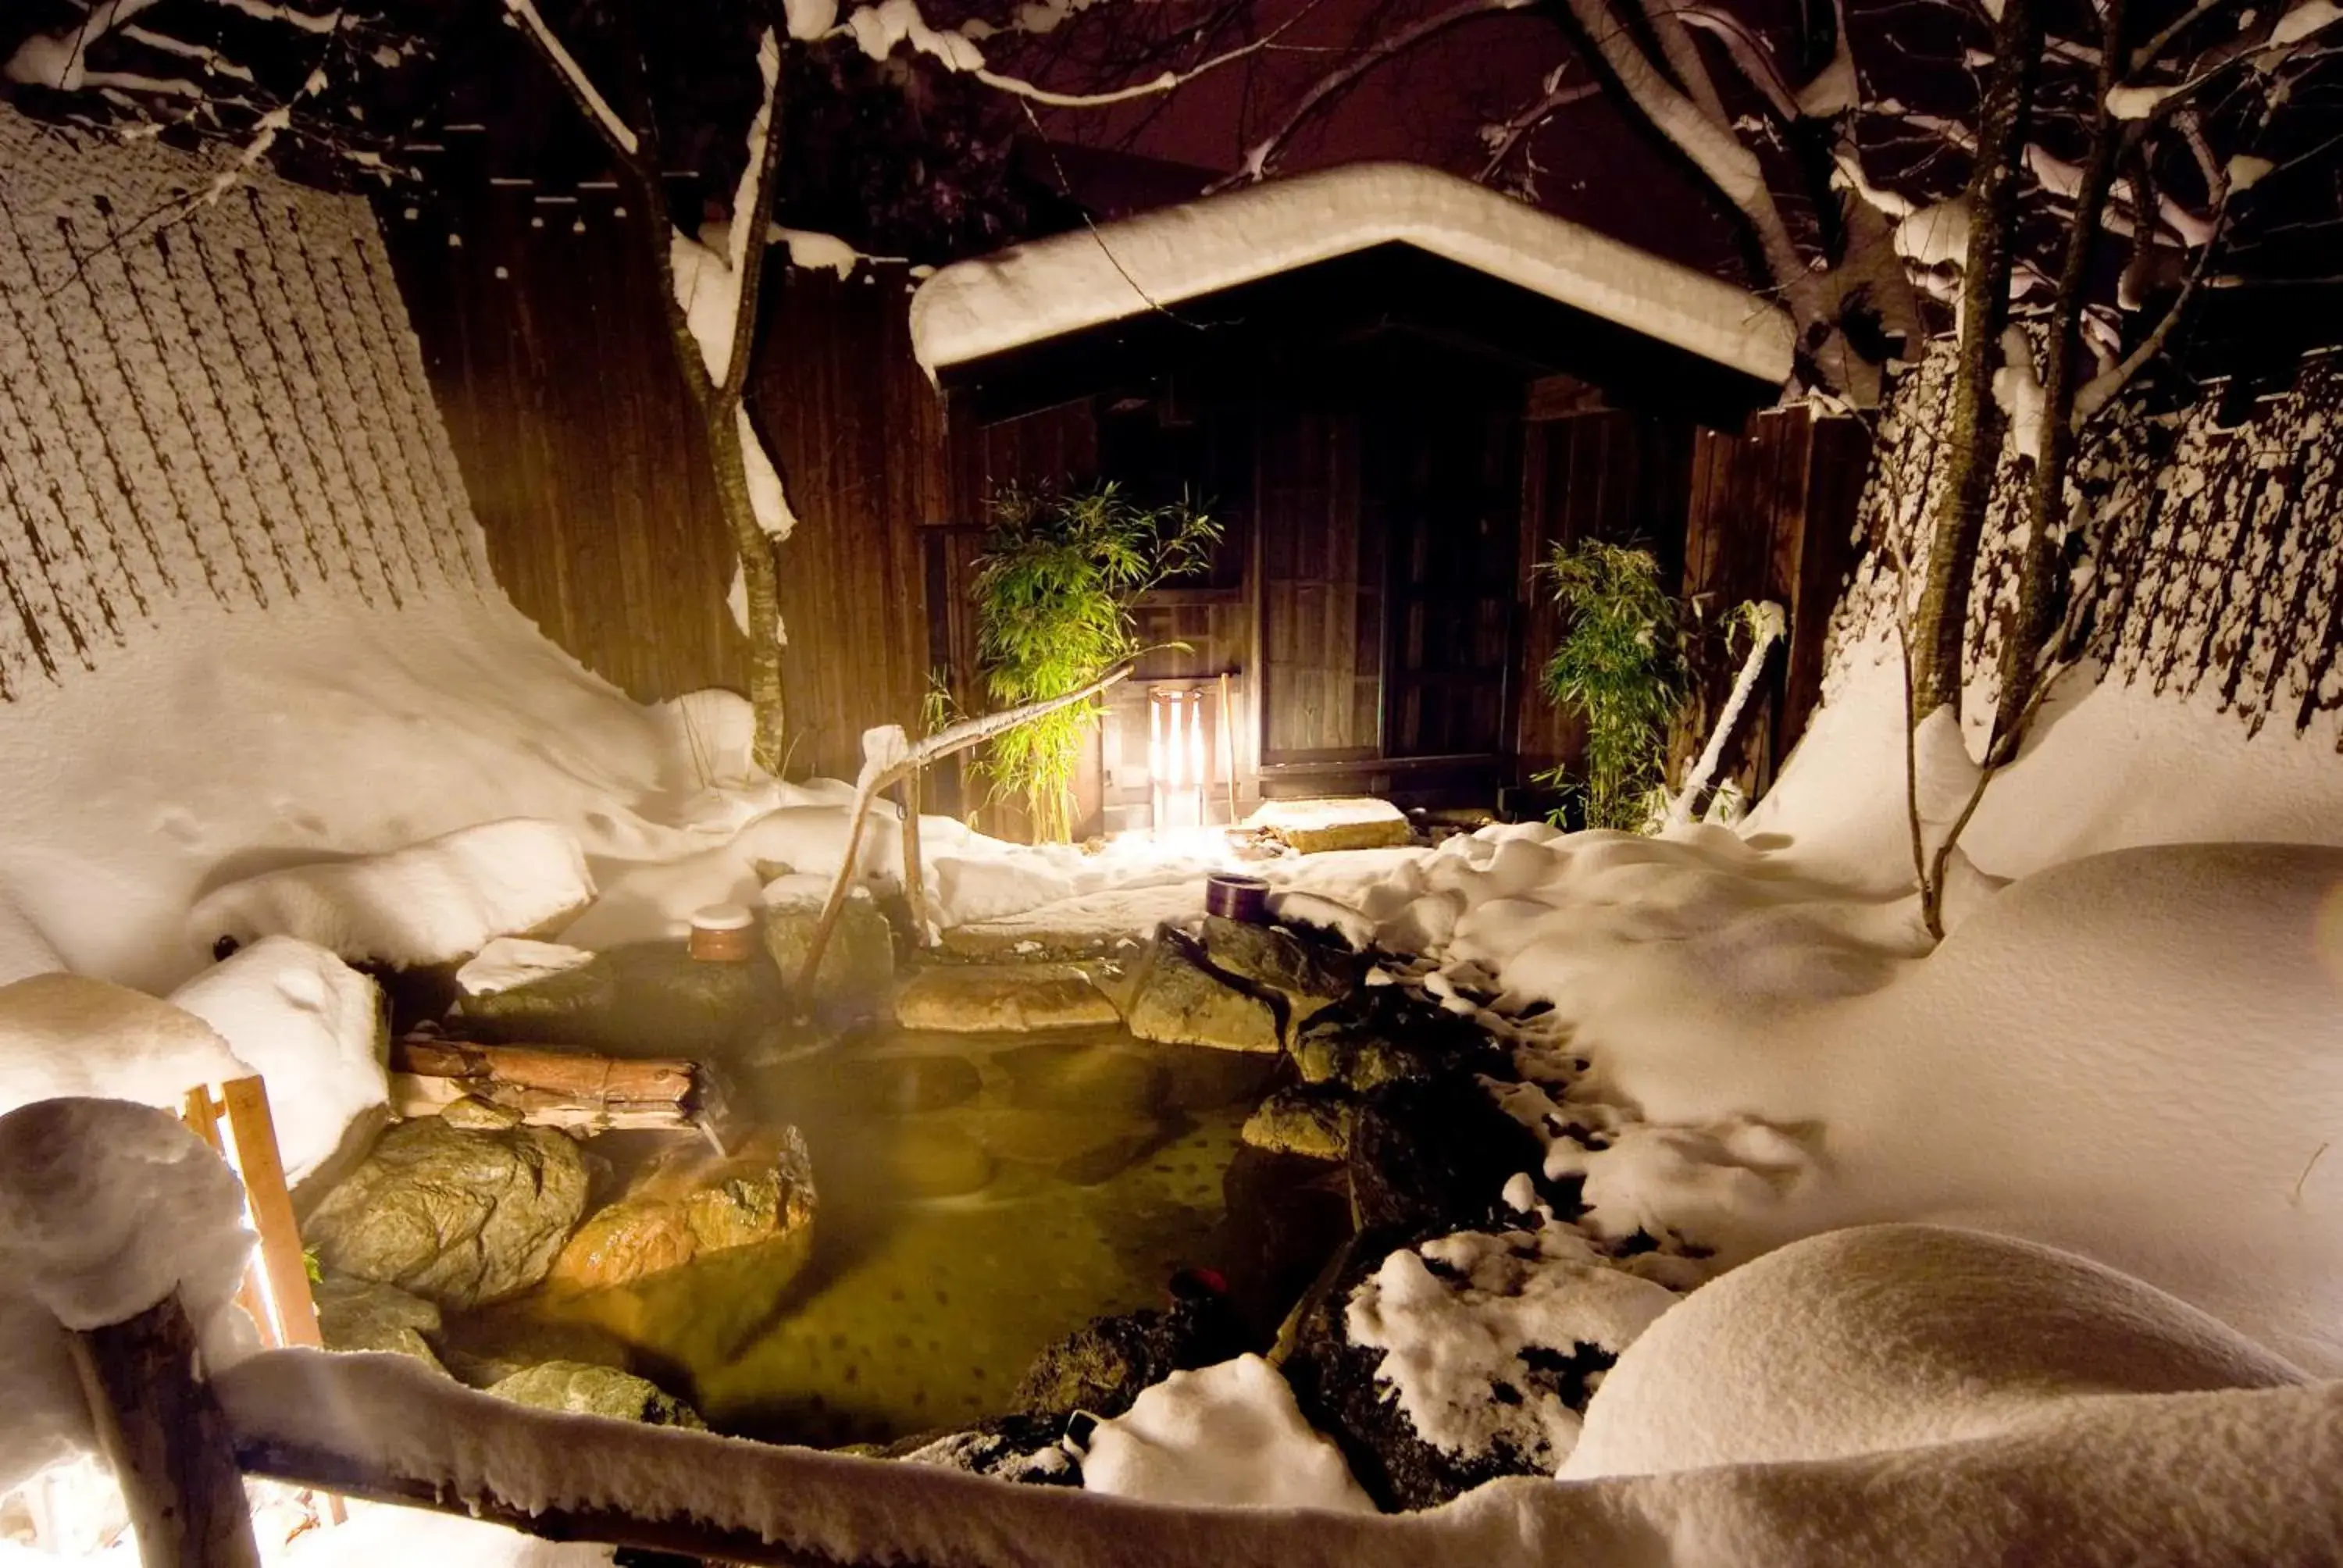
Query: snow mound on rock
{"points": [[1461, 1346], [1891, 1337], [106, 1208], [432, 902], [312, 1026], [64, 1034], [1225, 1437]]}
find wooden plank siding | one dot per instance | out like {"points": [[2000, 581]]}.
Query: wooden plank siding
{"points": [[586, 465], [1607, 475], [1772, 517], [1360, 630]]}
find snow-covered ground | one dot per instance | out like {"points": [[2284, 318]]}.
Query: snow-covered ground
{"points": [[2134, 1053]]}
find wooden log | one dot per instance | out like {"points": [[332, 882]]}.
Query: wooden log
{"points": [[577, 1090], [582, 1074], [167, 1440], [612, 1525]]}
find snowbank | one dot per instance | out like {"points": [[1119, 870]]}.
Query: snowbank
{"points": [[1896, 1336], [234, 745], [2107, 766], [106, 1208], [1034, 292], [64, 1034], [2137, 1056], [427, 903]]}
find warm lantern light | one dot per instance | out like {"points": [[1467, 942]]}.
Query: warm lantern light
{"points": [[1177, 763]]}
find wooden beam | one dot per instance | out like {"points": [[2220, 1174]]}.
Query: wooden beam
{"points": [[166, 1440]]}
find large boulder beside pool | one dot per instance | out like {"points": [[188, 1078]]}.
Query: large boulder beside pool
{"points": [[692, 1203], [457, 1216], [580, 1388], [1002, 998], [858, 961], [1309, 976], [1177, 999]]}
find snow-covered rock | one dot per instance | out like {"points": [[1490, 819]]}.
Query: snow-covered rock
{"points": [[1471, 1351], [1890, 1337], [64, 1034], [433, 902], [315, 1031], [1225, 1437]]}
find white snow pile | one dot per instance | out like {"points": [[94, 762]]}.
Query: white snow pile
{"points": [[1736, 1040], [512, 961], [315, 1031], [1894, 1337], [64, 1034], [308, 1025], [1034, 292], [235, 744], [2138, 1056], [442, 899], [1477, 1330], [1225, 1436], [105, 1208]]}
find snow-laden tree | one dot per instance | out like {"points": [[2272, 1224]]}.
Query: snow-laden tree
{"points": [[2069, 177], [327, 93]]}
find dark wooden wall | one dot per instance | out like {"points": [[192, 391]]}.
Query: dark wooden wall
{"points": [[587, 469], [584, 463], [1618, 477], [1772, 516]]}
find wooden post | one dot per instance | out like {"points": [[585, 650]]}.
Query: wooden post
{"points": [[1229, 748], [915, 883], [167, 1440], [202, 1113], [287, 1276]]}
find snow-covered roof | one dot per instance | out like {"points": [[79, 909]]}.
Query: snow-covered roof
{"points": [[1089, 277]]}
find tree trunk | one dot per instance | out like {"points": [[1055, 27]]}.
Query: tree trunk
{"points": [[1940, 632], [2029, 631], [760, 574]]}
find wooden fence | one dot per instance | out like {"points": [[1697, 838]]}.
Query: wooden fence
{"points": [[216, 407]]}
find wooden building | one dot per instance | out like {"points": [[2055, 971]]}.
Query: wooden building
{"points": [[1398, 392], [1394, 435]]}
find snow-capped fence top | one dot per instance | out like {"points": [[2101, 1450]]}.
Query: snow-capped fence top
{"points": [[1087, 278], [215, 399], [2212, 553]]}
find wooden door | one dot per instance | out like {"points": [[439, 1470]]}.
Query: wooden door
{"points": [[1443, 480], [1320, 578]]}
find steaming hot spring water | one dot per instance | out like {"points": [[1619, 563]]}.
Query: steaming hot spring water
{"points": [[980, 1198]]}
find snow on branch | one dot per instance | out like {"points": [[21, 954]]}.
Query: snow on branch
{"points": [[1340, 80], [1713, 148], [879, 28], [606, 119]]}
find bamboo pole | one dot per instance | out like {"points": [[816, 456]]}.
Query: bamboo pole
{"points": [[878, 777], [915, 883], [167, 1440]]}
